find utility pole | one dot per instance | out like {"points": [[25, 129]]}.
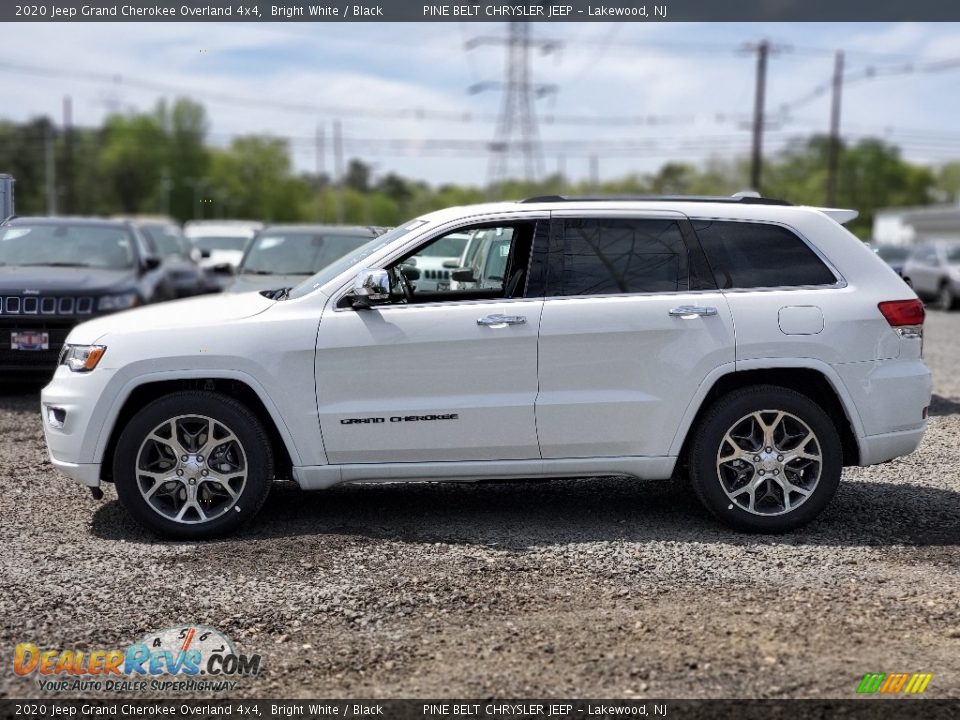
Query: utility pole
{"points": [[51, 171], [517, 116], [833, 157], [756, 161], [321, 167], [67, 179], [338, 169]]}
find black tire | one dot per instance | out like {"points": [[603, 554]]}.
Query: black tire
{"points": [[726, 414], [946, 299], [255, 451]]}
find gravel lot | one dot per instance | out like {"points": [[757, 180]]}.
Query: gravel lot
{"points": [[589, 588]]}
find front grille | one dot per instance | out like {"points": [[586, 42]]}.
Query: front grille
{"points": [[46, 305], [53, 314], [436, 274]]}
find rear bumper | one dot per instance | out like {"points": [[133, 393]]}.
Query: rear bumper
{"points": [[891, 398], [881, 448]]}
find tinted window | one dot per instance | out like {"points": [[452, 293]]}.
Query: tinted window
{"points": [[756, 255], [604, 256]]}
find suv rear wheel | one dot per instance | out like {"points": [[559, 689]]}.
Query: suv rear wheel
{"points": [[947, 301], [193, 465], [765, 459]]}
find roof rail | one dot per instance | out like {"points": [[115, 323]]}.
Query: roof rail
{"points": [[742, 198]]}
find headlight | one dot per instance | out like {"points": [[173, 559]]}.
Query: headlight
{"points": [[81, 358], [118, 302]]}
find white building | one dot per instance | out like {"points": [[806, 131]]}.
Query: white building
{"points": [[905, 226]]}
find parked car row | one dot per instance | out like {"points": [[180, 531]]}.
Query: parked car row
{"points": [[932, 269], [56, 272]]}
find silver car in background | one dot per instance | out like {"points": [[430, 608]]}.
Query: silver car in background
{"points": [[933, 271], [281, 256]]}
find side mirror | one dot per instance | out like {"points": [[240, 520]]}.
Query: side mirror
{"points": [[463, 275], [222, 269], [204, 254], [370, 287], [410, 273], [151, 262]]}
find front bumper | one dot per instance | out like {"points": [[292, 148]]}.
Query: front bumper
{"points": [[72, 446]]}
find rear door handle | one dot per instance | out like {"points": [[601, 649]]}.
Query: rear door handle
{"points": [[496, 321], [688, 312]]}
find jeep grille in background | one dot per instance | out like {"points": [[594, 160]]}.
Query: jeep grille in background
{"points": [[47, 305], [436, 274]]}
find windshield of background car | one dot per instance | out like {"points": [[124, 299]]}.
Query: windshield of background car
{"points": [[347, 261], [892, 253], [219, 242], [165, 239], [953, 255], [299, 253], [98, 246], [449, 247]]}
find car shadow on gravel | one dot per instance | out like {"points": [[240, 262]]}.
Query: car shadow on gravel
{"points": [[518, 516], [940, 406]]}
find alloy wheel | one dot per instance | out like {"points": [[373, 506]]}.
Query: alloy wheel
{"points": [[769, 462]]}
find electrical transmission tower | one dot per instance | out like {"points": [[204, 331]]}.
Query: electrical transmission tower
{"points": [[516, 134]]}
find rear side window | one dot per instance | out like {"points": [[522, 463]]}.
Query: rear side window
{"points": [[757, 255], [609, 256]]}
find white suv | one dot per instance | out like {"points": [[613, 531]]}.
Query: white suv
{"points": [[752, 346]]}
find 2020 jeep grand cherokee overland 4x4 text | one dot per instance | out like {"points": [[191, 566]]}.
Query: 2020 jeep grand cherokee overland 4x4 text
{"points": [[759, 344]]}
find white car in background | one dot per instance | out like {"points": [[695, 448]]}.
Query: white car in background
{"points": [[607, 347], [435, 264], [220, 242]]}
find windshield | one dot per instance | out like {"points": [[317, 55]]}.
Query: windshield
{"points": [[219, 242], [892, 253], [99, 246], [298, 253], [166, 239], [449, 247], [953, 254], [347, 261]]}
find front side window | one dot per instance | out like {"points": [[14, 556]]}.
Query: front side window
{"points": [[490, 261], [759, 255], [603, 256]]}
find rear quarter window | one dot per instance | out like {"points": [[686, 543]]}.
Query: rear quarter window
{"points": [[759, 255]]}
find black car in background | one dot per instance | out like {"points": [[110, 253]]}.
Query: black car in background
{"points": [[894, 255], [281, 256], [57, 272], [179, 258]]}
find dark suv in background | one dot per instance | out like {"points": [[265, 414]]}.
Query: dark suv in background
{"points": [[57, 272]]}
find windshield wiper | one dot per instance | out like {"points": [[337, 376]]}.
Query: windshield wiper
{"points": [[55, 264]]}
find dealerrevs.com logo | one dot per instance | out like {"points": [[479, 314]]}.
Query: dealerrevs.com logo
{"points": [[184, 658], [894, 683]]}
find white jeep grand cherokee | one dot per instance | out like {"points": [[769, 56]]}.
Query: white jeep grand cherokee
{"points": [[753, 346]]}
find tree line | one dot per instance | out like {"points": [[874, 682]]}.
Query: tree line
{"points": [[162, 163]]}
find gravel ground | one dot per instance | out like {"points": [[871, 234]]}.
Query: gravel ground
{"points": [[588, 588]]}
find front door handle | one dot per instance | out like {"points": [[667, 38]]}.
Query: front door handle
{"points": [[497, 321], [688, 312]]}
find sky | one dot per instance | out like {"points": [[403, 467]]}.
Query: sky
{"points": [[634, 95]]}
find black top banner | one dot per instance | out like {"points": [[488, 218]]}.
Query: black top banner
{"points": [[408, 11]]}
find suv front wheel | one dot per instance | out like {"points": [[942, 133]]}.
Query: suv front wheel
{"points": [[765, 459], [193, 465]]}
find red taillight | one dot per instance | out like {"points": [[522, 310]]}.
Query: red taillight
{"points": [[902, 312]]}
